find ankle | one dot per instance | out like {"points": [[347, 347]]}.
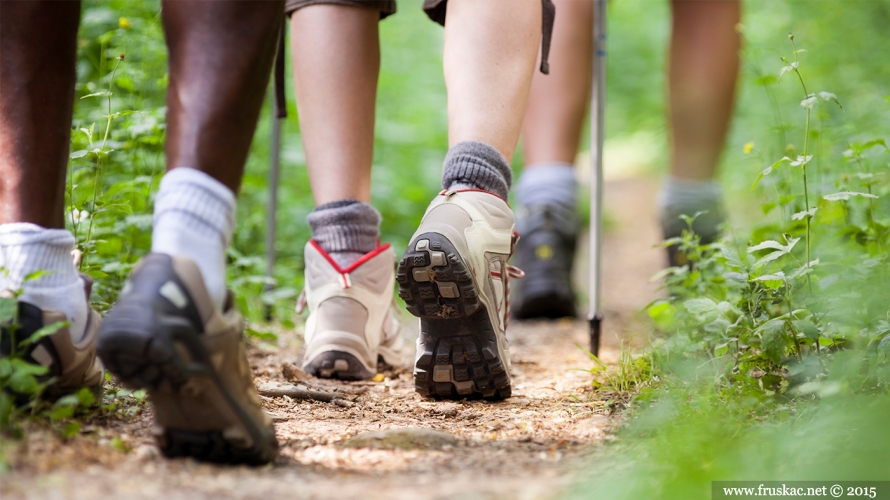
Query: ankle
{"points": [[28, 249], [553, 184], [194, 217], [345, 229], [476, 165]]}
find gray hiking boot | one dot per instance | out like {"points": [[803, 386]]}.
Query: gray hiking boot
{"points": [[73, 365], [706, 225], [351, 324], [454, 276], [165, 335], [546, 253]]}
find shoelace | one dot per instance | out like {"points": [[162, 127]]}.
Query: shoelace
{"points": [[512, 272], [301, 302]]}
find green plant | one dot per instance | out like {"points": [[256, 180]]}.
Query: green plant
{"points": [[22, 383]]}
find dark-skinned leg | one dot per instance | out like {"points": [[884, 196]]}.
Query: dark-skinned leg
{"points": [[38, 47], [204, 402], [220, 57]]}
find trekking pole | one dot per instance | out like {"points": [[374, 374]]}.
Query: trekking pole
{"points": [[274, 168], [278, 112], [597, 125]]}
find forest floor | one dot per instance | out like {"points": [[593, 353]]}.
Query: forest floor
{"points": [[532, 445]]}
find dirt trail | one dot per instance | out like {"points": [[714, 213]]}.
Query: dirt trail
{"points": [[525, 447]]}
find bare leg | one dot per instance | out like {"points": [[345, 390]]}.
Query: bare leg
{"points": [[220, 57], [704, 66], [489, 60], [551, 131], [38, 47], [336, 59]]}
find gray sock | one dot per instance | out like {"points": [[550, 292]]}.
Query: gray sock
{"points": [[476, 165], [345, 229], [548, 184]]}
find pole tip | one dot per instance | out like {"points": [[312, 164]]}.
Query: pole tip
{"points": [[595, 324]]}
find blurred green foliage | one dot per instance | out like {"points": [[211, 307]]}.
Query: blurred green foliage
{"points": [[774, 361]]}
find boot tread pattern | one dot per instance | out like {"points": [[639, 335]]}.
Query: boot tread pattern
{"points": [[458, 352]]}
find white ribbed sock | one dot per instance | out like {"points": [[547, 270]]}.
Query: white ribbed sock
{"points": [[28, 248], [194, 217]]}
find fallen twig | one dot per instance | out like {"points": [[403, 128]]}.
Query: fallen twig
{"points": [[303, 392]]}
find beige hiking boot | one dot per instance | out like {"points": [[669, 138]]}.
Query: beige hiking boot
{"points": [[73, 364], [454, 276], [351, 324], [165, 335]]}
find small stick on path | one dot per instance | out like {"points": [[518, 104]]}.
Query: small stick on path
{"points": [[303, 392]]}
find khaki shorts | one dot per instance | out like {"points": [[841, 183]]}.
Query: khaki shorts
{"points": [[433, 8]]}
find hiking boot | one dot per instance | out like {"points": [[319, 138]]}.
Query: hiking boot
{"points": [[454, 277], [351, 325], [706, 225], [73, 364], [165, 335], [546, 253]]}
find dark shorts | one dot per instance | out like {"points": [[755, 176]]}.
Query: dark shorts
{"points": [[433, 8]]}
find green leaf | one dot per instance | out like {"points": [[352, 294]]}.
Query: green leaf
{"points": [[98, 94], [773, 339], [62, 412], [658, 309], [78, 154], [700, 306], [846, 195], [769, 170], [267, 336], [71, 429], [772, 281], [46, 331], [803, 270], [22, 366], [118, 444], [5, 368], [808, 328], [779, 276], [23, 383], [884, 345], [806, 213], [85, 397], [8, 309], [36, 275], [775, 245], [719, 325]]}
